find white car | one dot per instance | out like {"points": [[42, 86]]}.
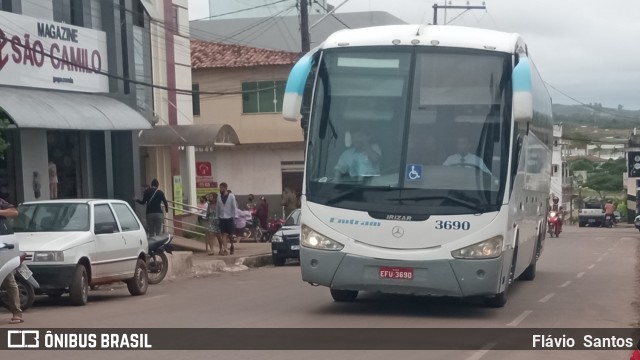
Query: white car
{"points": [[72, 244]]}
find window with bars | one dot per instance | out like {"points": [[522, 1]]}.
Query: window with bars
{"points": [[262, 96]]}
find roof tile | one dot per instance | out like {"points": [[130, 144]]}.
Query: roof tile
{"points": [[208, 55]]}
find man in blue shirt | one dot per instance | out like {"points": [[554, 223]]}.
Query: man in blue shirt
{"points": [[360, 160], [463, 157]]}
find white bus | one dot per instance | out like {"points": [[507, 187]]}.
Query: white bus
{"points": [[428, 161]]}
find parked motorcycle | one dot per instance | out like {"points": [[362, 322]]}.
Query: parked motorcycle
{"points": [[273, 225], [554, 224], [27, 285], [157, 262]]}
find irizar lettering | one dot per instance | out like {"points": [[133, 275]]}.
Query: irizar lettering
{"points": [[399, 217]]}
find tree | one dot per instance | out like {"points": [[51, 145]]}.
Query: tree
{"points": [[601, 182], [581, 165]]}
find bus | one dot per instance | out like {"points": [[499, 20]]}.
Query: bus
{"points": [[428, 161]]}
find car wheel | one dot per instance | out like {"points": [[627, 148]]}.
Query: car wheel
{"points": [[79, 289], [278, 260], [140, 282], [344, 295]]}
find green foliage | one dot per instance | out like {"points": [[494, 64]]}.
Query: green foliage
{"points": [[615, 167], [604, 182], [581, 165]]}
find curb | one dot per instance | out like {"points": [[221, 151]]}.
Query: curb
{"points": [[255, 261]]}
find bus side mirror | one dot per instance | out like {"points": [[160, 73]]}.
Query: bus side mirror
{"points": [[294, 91], [522, 91]]}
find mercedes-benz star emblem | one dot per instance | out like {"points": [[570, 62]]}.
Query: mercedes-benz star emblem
{"points": [[397, 231]]}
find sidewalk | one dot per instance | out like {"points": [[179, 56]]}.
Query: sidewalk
{"points": [[196, 261]]}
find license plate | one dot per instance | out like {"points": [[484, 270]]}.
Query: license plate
{"points": [[387, 272], [592, 220], [24, 271], [295, 247]]}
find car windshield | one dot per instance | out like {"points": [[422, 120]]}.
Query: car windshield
{"points": [[293, 219], [47, 217]]}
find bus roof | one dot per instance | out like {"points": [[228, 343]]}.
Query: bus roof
{"points": [[426, 35]]}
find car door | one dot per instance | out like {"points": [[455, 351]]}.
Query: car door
{"points": [[111, 255], [132, 233]]}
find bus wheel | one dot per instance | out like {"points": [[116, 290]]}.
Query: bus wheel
{"points": [[344, 295]]}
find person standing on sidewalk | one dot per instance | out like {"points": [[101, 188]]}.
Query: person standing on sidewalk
{"points": [[226, 207], [9, 283], [154, 198], [289, 201]]}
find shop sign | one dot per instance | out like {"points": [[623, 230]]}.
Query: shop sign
{"points": [[45, 54]]}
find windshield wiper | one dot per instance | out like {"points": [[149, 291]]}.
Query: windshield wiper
{"points": [[470, 205], [345, 194]]}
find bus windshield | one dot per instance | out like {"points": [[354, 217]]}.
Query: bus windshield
{"points": [[410, 130]]}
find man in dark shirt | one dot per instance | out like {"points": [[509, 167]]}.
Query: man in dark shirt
{"points": [[154, 198], [9, 283]]}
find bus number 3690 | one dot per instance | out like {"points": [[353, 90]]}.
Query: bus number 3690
{"points": [[452, 225]]}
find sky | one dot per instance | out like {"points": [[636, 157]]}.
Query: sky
{"points": [[588, 50]]}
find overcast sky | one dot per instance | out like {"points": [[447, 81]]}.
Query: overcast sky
{"points": [[588, 49]]}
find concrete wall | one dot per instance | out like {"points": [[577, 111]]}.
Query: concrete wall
{"points": [[255, 169], [227, 109]]}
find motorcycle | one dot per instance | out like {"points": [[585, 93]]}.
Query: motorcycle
{"points": [[273, 225], [608, 221], [247, 226], [27, 286], [157, 262], [554, 224]]}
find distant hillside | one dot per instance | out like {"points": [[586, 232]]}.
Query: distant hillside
{"points": [[596, 115]]}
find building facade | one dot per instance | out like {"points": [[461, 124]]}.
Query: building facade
{"points": [[242, 88], [66, 98]]}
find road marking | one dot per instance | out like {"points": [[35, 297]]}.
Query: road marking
{"points": [[581, 274], [480, 353], [566, 284], [591, 266], [599, 259], [546, 298], [153, 297], [520, 318]]}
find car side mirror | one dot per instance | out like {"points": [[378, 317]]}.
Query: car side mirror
{"points": [[7, 246], [104, 229]]}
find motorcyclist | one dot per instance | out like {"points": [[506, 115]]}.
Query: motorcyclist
{"points": [[609, 208], [555, 207]]}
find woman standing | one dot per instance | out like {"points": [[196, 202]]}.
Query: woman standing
{"points": [[214, 224]]}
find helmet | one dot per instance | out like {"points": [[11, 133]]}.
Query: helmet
{"points": [[555, 200]]}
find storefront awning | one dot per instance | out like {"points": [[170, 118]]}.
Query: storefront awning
{"points": [[42, 109], [189, 135]]}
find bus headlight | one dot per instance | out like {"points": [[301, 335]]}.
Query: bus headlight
{"points": [[312, 239], [491, 248]]}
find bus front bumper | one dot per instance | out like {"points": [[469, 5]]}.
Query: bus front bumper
{"points": [[453, 277]]}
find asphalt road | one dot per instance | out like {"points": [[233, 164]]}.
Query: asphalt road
{"points": [[587, 278]]}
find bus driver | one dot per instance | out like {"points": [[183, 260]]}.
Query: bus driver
{"points": [[463, 156], [361, 159]]}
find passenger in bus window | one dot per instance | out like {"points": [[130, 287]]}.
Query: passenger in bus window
{"points": [[361, 159], [463, 156]]}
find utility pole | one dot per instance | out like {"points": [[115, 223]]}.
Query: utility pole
{"points": [[465, 7], [304, 26]]}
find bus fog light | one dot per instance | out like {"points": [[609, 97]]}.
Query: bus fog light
{"points": [[488, 249], [312, 239]]}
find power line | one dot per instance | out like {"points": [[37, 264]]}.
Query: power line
{"points": [[589, 106], [241, 10]]}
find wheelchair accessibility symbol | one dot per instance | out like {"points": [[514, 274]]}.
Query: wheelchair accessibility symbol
{"points": [[414, 172]]}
